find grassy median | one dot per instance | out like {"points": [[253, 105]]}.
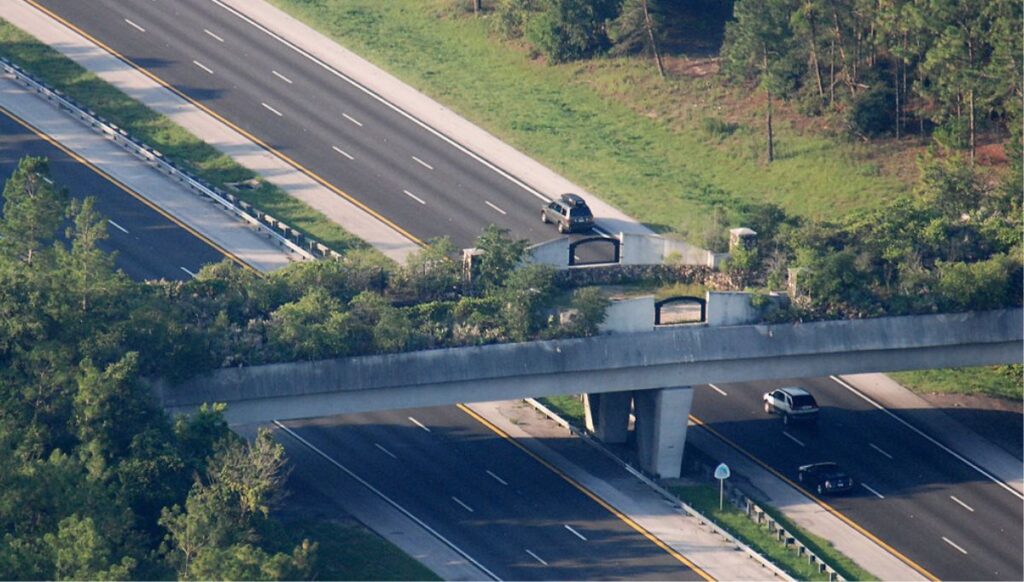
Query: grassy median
{"points": [[170, 139], [704, 498]]}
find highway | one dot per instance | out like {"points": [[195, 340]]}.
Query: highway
{"points": [[401, 170], [476, 489], [471, 485], [921, 501], [930, 506], [148, 244]]}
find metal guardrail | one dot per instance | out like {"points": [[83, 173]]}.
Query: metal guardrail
{"points": [[666, 494], [263, 222]]}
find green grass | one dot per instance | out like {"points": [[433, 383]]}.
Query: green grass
{"points": [[169, 138], [608, 124], [350, 552], [569, 407], [704, 498], [996, 381]]}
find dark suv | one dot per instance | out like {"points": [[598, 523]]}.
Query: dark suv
{"points": [[570, 213], [825, 478]]}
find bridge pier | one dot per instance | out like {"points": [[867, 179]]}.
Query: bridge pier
{"points": [[661, 419], [607, 415]]}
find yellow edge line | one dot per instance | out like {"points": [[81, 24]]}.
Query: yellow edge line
{"points": [[254, 139], [122, 186], [826, 506], [639, 529]]}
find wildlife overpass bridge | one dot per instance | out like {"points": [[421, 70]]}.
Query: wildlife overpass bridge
{"points": [[653, 368]]}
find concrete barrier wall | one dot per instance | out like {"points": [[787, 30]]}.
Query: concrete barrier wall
{"points": [[637, 249], [677, 356], [730, 308], [553, 252], [629, 315]]}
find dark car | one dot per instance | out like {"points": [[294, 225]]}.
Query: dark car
{"points": [[825, 478], [793, 403], [569, 212]]}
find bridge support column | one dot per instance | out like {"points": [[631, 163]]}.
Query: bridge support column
{"points": [[607, 415], [661, 419]]}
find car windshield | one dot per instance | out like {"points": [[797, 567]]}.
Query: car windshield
{"points": [[580, 212], [802, 400]]}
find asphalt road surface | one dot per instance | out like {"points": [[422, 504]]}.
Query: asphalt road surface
{"points": [[930, 506], [513, 516], [921, 501], [366, 148], [148, 245]]}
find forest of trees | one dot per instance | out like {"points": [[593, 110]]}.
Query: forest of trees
{"points": [[949, 72], [96, 482]]}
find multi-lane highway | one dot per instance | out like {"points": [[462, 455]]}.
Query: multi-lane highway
{"points": [[916, 498], [932, 507], [149, 245], [407, 173], [487, 497]]}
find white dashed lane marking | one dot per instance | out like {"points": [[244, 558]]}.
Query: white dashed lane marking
{"points": [[342, 152], [135, 26], [117, 226], [272, 110], [219, 39], [414, 197], [282, 77], [350, 118], [422, 163], [495, 207], [203, 67]]}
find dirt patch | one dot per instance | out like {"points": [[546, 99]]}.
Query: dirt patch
{"points": [[996, 419]]}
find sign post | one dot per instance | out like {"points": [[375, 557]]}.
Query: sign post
{"points": [[721, 473]]}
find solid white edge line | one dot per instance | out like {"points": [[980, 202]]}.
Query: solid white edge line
{"points": [[382, 100], [136, 26], [414, 197], [422, 163], [193, 275], [719, 390], [871, 489], [393, 107], [219, 39], [117, 226], [202, 66], [536, 557], [352, 119], [874, 446], [464, 506], [282, 77], [963, 459], [793, 438], [390, 501], [950, 542], [576, 533], [385, 451], [342, 152], [495, 207], [962, 504], [497, 478], [419, 424]]}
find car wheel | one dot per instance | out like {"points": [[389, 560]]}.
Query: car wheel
{"points": [[785, 418], [821, 490], [767, 408], [561, 227], [544, 217]]}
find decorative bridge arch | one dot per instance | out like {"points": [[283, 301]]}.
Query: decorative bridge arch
{"points": [[680, 299], [592, 242]]}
